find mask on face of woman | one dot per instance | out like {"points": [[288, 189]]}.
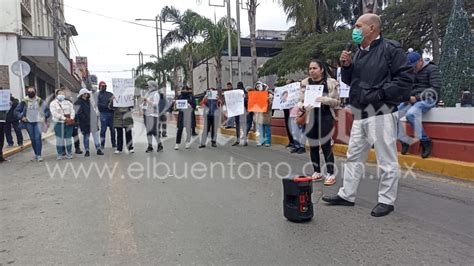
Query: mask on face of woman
{"points": [[61, 97]]}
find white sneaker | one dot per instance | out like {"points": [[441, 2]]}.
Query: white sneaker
{"points": [[187, 145], [39, 158], [69, 156], [267, 145], [131, 151], [58, 158], [117, 152], [176, 147]]}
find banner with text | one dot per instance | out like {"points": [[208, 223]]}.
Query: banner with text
{"points": [[234, 101], [312, 92], [286, 97], [124, 92]]}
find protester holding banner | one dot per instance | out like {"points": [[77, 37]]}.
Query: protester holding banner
{"points": [[241, 120], [263, 117], [33, 113], [86, 116], [106, 114], [286, 113], [320, 120], [211, 117], [63, 115], [185, 105], [151, 115]]}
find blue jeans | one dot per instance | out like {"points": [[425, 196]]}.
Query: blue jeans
{"points": [[95, 136], [297, 131], [34, 131], [265, 134], [413, 114], [107, 121], [63, 138]]}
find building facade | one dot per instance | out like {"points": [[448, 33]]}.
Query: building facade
{"points": [[26, 33]]}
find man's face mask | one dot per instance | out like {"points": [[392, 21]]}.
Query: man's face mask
{"points": [[357, 35]]}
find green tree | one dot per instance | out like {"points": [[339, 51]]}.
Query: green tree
{"points": [[456, 63], [189, 27]]}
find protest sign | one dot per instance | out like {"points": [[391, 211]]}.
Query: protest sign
{"points": [[124, 92], [286, 97], [4, 100], [211, 95], [343, 87], [181, 104], [234, 101], [258, 101], [312, 92]]}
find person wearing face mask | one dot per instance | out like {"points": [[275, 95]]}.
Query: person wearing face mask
{"points": [[62, 112], [151, 116], [86, 116], [33, 113], [185, 119], [380, 79], [106, 114], [423, 97]]}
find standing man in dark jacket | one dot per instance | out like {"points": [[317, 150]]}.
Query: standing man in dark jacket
{"points": [[380, 79], [423, 97], [106, 114], [13, 122]]}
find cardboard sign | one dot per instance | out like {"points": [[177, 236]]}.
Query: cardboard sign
{"points": [[181, 104], [124, 92], [343, 87], [286, 97], [258, 101], [234, 101], [4, 100], [311, 93]]}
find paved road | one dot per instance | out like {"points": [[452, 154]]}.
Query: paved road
{"points": [[229, 215]]}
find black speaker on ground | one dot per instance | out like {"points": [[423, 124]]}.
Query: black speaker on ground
{"points": [[297, 205]]}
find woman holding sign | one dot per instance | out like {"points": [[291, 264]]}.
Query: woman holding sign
{"points": [[185, 105], [318, 113]]}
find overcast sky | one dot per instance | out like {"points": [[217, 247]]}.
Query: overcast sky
{"points": [[106, 41]]}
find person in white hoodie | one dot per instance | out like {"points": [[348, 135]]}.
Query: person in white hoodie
{"points": [[62, 112], [150, 116]]}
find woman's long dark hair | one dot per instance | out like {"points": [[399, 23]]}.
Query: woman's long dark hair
{"points": [[323, 66]]}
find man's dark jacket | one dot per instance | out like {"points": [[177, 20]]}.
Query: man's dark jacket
{"points": [[104, 98], [380, 79]]}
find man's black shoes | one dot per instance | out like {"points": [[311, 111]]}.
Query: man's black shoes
{"points": [[336, 200], [381, 209]]}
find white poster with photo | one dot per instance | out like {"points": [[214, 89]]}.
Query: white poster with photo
{"points": [[124, 92], [312, 92], [286, 97], [4, 100], [343, 87], [211, 95], [234, 101], [181, 104]]}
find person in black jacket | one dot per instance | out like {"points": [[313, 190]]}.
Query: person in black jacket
{"points": [[380, 79], [162, 108], [423, 97], [241, 120], [13, 122], [86, 116], [106, 115], [185, 118]]}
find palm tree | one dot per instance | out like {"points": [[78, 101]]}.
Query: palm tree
{"points": [[215, 41], [189, 27]]}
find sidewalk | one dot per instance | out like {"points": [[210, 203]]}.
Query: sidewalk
{"points": [[10, 151]]}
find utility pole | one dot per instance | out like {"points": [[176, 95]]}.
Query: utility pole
{"points": [[56, 8], [159, 34], [239, 54], [229, 40]]}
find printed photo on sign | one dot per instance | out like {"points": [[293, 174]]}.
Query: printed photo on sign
{"points": [[4, 100], [343, 87], [181, 104], [124, 92], [312, 92], [211, 95], [286, 97], [234, 101]]}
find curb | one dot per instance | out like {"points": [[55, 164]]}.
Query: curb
{"points": [[25, 146], [451, 168]]}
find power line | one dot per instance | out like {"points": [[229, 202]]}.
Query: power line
{"points": [[113, 18], [75, 47]]}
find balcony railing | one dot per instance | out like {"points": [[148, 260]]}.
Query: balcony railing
{"points": [[25, 31], [26, 4]]}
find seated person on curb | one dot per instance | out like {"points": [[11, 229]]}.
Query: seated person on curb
{"points": [[426, 88]]}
